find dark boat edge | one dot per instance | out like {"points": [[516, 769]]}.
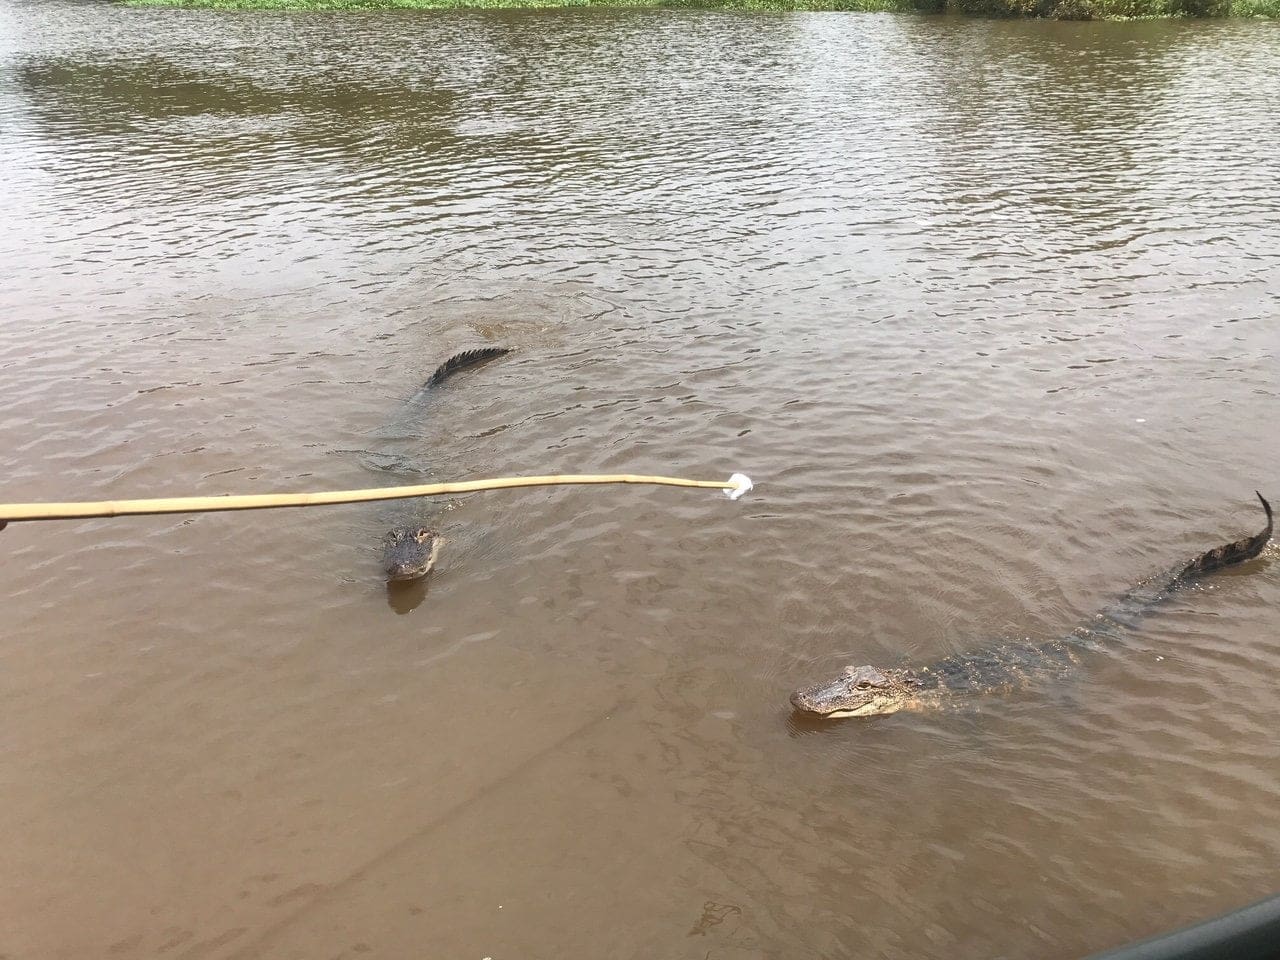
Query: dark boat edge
{"points": [[1250, 933]]}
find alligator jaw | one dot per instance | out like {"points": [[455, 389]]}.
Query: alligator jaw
{"points": [[864, 710], [858, 692]]}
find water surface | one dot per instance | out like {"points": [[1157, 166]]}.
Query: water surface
{"points": [[988, 310]]}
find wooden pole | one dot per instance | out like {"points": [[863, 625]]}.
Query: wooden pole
{"points": [[12, 512]]}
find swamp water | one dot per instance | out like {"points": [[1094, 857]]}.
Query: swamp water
{"points": [[987, 310]]}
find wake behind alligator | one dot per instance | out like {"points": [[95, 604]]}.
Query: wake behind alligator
{"points": [[866, 691], [409, 552]]}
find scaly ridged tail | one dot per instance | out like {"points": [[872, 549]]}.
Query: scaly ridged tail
{"points": [[1230, 553], [460, 361]]}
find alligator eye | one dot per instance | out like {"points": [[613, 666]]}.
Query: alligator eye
{"points": [[864, 684]]}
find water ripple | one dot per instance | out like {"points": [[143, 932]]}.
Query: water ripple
{"points": [[985, 308]]}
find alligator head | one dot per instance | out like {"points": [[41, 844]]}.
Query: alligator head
{"points": [[410, 553], [859, 692]]}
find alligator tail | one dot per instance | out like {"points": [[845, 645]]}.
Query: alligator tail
{"points": [[1230, 553], [463, 360]]}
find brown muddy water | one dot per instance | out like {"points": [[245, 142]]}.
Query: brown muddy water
{"points": [[988, 311]]}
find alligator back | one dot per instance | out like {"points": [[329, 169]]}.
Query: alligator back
{"points": [[409, 551], [867, 691], [394, 439]]}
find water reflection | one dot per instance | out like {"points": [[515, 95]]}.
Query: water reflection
{"points": [[405, 597], [984, 307]]}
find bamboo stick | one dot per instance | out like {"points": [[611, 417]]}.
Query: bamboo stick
{"points": [[12, 512]]}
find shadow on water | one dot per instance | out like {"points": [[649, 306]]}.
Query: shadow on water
{"points": [[805, 725], [119, 96], [170, 116], [1072, 79], [1050, 112], [405, 597]]}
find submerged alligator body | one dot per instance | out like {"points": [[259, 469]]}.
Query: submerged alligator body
{"points": [[867, 691], [409, 553]]}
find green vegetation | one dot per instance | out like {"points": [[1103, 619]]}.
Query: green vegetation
{"points": [[535, 4], [1056, 9], [1255, 8]]}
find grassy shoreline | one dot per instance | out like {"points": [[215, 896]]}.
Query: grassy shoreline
{"points": [[1055, 9]]}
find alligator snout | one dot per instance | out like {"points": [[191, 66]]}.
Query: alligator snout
{"points": [[409, 554]]}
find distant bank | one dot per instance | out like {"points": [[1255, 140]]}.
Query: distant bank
{"points": [[1053, 9]]}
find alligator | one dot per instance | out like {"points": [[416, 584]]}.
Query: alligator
{"points": [[410, 552], [867, 691]]}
